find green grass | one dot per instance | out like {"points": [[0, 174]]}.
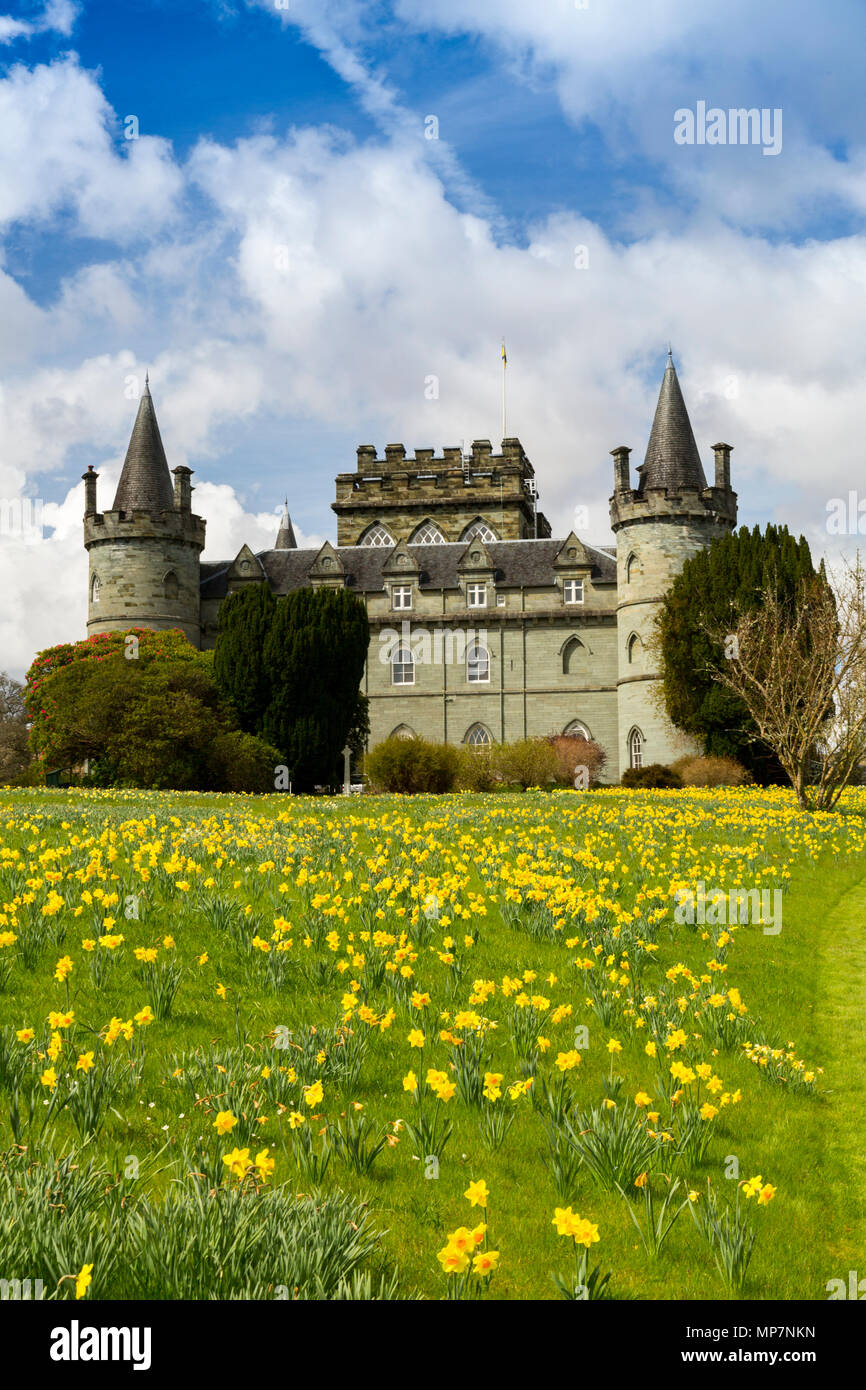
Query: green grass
{"points": [[605, 852]]}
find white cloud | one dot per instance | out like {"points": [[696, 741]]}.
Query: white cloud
{"points": [[58, 153], [58, 16], [307, 277]]}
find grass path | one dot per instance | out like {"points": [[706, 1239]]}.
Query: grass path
{"points": [[841, 1014]]}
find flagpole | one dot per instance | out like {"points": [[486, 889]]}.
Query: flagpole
{"points": [[504, 364]]}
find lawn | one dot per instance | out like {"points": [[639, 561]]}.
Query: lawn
{"points": [[261, 1047]]}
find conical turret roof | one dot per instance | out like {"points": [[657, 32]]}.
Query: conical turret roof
{"points": [[286, 535], [145, 482], [672, 459]]}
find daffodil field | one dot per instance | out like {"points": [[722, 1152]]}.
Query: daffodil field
{"points": [[457, 1047]]}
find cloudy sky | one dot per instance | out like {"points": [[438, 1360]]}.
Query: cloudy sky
{"points": [[244, 197]]}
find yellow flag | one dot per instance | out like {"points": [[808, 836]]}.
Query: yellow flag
{"points": [[504, 358]]}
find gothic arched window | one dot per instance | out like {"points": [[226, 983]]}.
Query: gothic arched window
{"points": [[635, 748], [632, 568], [428, 533], [170, 585], [403, 731], [94, 589], [376, 535], [573, 657], [478, 737], [479, 529], [577, 730], [634, 648]]}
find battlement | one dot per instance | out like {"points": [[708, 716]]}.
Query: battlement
{"points": [[424, 461], [714, 504], [401, 492], [144, 525]]}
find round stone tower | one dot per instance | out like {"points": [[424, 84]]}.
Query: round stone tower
{"points": [[144, 554], [669, 516]]}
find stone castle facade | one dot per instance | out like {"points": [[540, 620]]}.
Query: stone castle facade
{"points": [[483, 626]]}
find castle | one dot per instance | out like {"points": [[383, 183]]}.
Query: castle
{"points": [[483, 627]]}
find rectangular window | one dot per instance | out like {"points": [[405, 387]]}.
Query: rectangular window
{"points": [[403, 667], [572, 591], [401, 596], [476, 595]]}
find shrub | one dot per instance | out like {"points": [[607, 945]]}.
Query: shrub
{"points": [[531, 762], [412, 765], [573, 752], [654, 775], [478, 768], [243, 763], [711, 772]]}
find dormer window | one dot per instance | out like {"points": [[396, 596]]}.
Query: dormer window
{"points": [[476, 595], [572, 591], [401, 596]]}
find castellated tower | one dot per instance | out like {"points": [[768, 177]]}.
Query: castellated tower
{"points": [[144, 553], [669, 516]]}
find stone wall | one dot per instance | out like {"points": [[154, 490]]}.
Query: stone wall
{"points": [[148, 571]]}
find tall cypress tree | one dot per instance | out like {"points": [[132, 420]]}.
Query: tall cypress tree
{"points": [[240, 670], [712, 587], [315, 653]]}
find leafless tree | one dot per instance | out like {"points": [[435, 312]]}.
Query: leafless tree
{"points": [[801, 673], [14, 756]]}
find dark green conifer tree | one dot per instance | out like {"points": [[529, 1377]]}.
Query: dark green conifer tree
{"points": [[240, 670], [314, 654], [726, 578]]}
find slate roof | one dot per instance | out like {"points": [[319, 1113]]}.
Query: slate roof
{"points": [[528, 563], [145, 482], [672, 459]]}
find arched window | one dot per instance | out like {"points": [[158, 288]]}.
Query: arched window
{"points": [[635, 748], [477, 664], [634, 649], [94, 589], [577, 730], [403, 667], [481, 530], [170, 585], [403, 731], [428, 533], [632, 568], [478, 737], [376, 535], [573, 656]]}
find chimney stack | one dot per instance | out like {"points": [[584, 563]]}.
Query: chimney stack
{"points": [[723, 465], [182, 489], [90, 478], [621, 481]]}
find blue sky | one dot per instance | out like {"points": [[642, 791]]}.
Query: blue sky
{"points": [[294, 260]]}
